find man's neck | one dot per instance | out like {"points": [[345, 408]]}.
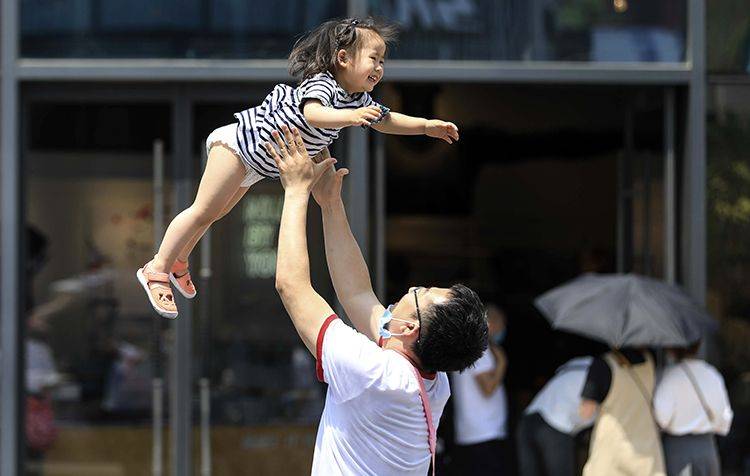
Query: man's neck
{"points": [[400, 347]]}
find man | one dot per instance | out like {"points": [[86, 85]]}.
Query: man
{"points": [[547, 431], [481, 408], [383, 401]]}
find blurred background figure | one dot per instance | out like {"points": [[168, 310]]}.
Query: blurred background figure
{"points": [[625, 440], [549, 425], [481, 408], [41, 372], [691, 405]]}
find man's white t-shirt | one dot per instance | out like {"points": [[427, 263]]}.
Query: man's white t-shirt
{"points": [[559, 400], [677, 407], [478, 418], [373, 422]]}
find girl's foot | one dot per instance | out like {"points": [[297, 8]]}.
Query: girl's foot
{"points": [[180, 277], [158, 291]]}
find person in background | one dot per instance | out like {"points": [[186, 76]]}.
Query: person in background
{"points": [[691, 405], [625, 440], [549, 425], [481, 408]]}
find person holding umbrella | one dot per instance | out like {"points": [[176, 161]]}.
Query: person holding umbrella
{"points": [[629, 313], [625, 440], [691, 405]]}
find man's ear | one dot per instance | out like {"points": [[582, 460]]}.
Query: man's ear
{"points": [[411, 330], [342, 57]]}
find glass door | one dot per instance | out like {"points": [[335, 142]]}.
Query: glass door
{"points": [[258, 399], [92, 353]]}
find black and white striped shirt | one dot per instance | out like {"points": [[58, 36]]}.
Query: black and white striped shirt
{"points": [[284, 106]]}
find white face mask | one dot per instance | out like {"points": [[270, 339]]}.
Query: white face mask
{"points": [[385, 319]]}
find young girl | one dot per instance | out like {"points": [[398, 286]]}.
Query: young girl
{"points": [[340, 63]]}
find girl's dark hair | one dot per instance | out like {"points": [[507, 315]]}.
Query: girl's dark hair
{"points": [[315, 52]]}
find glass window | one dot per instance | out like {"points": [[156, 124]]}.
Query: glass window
{"points": [[264, 392], [728, 213], [89, 350], [728, 36], [523, 30], [528, 201], [234, 29]]}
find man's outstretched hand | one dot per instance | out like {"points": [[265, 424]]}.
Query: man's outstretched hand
{"points": [[296, 170]]}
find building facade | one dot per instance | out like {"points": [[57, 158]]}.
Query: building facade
{"points": [[584, 148]]}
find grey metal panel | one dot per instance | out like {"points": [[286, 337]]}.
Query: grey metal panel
{"points": [[181, 353], [357, 185], [670, 187], [693, 216], [157, 382], [380, 217], [10, 197], [127, 92], [149, 70]]}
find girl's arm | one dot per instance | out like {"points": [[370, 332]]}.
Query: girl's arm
{"points": [[318, 115], [401, 124]]}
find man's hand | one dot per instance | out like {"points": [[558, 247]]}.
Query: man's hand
{"points": [[441, 130], [328, 187], [364, 116], [296, 170]]}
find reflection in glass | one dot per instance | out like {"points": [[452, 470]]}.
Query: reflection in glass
{"points": [[728, 36], [728, 214], [264, 393], [538, 30], [89, 331], [168, 28]]}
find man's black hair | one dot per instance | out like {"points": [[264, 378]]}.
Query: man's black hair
{"points": [[454, 333]]}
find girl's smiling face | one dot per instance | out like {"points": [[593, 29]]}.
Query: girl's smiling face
{"points": [[361, 72]]}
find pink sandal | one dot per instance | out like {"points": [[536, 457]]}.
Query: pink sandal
{"points": [[158, 291], [180, 277]]}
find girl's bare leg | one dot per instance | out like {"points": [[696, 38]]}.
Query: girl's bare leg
{"points": [[185, 253], [220, 183]]}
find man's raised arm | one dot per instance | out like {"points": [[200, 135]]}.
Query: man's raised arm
{"points": [[305, 306], [349, 273]]}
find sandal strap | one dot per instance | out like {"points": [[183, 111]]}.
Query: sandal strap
{"points": [[179, 266], [155, 276]]}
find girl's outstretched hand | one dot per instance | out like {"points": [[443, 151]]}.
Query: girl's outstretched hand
{"points": [[441, 130], [296, 169]]}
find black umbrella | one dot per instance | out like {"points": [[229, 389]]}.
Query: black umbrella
{"points": [[626, 311]]}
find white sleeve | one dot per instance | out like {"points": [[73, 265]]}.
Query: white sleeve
{"points": [[724, 415], [664, 404], [348, 361]]}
